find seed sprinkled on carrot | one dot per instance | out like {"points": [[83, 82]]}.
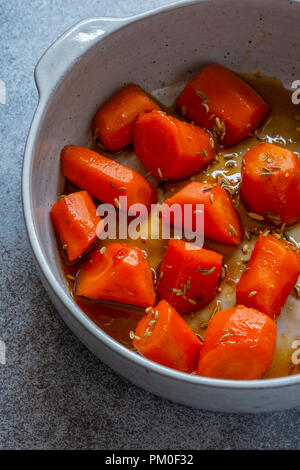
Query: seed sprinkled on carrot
{"points": [[209, 188], [148, 309], [232, 230], [224, 336], [207, 271], [252, 293]]}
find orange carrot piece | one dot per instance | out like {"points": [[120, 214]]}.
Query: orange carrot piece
{"points": [[118, 273], [220, 101], [104, 178], [170, 148], [114, 122], [188, 276], [221, 221], [271, 183], [271, 274], [239, 344], [164, 337], [76, 222]]}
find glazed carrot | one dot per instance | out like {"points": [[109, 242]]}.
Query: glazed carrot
{"points": [[170, 148], [239, 344], [271, 274], [164, 337], [271, 183], [221, 221], [118, 273], [188, 276], [220, 101], [76, 222], [104, 178], [114, 122]]}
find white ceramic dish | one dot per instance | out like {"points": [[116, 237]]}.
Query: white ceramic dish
{"points": [[84, 67]]}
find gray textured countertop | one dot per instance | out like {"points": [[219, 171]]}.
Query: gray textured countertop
{"points": [[54, 394]]}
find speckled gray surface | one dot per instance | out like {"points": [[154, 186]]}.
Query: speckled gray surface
{"points": [[54, 394]]}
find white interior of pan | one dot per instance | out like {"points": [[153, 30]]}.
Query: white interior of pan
{"points": [[161, 53]]}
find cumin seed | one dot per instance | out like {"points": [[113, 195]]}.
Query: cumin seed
{"points": [[175, 291], [205, 153], [133, 336], [201, 94], [254, 216], [117, 203], [207, 271], [248, 235], [148, 309], [232, 230], [252, 293], [224, 336]]}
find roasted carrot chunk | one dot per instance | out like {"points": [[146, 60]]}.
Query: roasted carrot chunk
{"points": [[104, 178], [271, 274], [220, 101], [118, 273], [114, 122], [188, 276], [170, 148], [164, 337], [271, 183], [76, 222], [221, 221], [239, 344]]}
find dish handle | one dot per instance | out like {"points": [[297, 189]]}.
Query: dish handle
{"points": [[68, 48]]}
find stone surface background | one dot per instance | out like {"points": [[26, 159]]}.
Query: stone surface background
{"points": [[54, 394]]}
